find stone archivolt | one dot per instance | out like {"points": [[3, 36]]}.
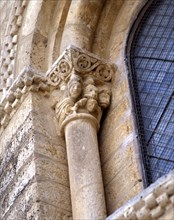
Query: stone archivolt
{"points": [[85, 82], [8, 54]]}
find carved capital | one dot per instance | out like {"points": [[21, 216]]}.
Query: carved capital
{"points": [[85, 81]]}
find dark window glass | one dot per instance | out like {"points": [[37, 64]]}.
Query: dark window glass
{"points": [[152, 67]]}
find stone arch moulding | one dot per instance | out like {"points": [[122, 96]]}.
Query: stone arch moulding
{"points": [[29, 42], [64, 23], [55, 25], [61, 18], [39, 44], [129, 40], [119, 138], [42, 34]]}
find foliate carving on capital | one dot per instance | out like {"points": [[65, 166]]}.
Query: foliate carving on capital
{"points": [[85, 82], [83, 63]]}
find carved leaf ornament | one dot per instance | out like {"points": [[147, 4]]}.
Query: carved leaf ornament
{"points": [[85, 80], [82, 64]]}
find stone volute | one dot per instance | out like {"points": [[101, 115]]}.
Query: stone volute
{"points": [[85, 82]]}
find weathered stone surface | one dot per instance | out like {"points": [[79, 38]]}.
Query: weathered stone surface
{"points": [[57, 172], [50, 158], [23, 204], [81, 24], [35, 32], [39, 51], [50, 212], [31, 164], [85, 179], [55, 194], [9, 45], [153, 203], [49, 148], [5, 11]]}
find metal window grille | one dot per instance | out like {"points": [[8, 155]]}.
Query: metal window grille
{"points": [[152, 75]]}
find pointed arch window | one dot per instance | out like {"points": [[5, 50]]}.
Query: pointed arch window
{"points": [[150, 55]]}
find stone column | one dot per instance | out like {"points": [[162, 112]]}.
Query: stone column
{"points": [[84, 168], [84, 80]]}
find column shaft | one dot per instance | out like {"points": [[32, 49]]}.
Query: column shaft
{"points": [[85, 84], [86, 183]]}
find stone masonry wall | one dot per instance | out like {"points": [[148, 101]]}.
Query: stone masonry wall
{"points": [[17, 167], [119, 147], [33, 171], [30, 143]]}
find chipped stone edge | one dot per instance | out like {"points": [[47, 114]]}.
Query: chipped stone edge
{"points": [[152, 203], [29, 80]]}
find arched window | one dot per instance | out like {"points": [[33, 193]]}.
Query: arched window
{"points": [[151, 66]]}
